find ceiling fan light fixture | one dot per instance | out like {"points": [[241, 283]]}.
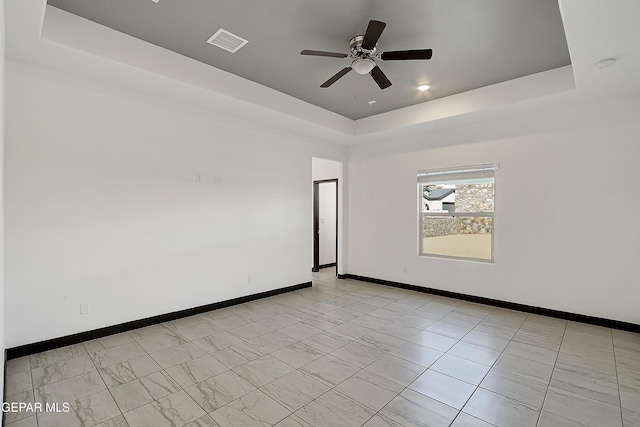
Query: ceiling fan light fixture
{"points": [[363, 65]]}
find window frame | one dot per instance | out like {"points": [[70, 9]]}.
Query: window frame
{"points": [[460, 170]]}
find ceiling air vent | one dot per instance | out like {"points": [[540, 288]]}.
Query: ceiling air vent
{"points": [[227, 41]]}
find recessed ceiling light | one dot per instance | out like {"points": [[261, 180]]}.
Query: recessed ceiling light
{"points": [[155, 1], [371, 102], [423, 87], [605, 63]]}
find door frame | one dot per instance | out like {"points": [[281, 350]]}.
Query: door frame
{"points": [[316, 225]]}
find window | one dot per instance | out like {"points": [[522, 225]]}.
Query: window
{"points": [[456, 212]]}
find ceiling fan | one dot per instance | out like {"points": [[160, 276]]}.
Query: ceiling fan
{"points": [[363, 53]]}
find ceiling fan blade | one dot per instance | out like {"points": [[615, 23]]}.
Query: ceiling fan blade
{"points": [[323, 53], [374, 30], [380, 77], [399, 55], [335, 78]]}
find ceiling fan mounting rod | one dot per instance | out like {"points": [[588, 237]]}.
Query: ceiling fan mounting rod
{"points": [[357, 51]]}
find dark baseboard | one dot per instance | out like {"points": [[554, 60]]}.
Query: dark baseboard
{"points": [[321, 266], [608, 323], [54, 343]]}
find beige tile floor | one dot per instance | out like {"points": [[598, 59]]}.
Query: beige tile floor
{"points": [[343, 353]]}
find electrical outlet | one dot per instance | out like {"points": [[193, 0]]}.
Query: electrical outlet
{"points": [[198, 177], [249, 279], [84, 308]]}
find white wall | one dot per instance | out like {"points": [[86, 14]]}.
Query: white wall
{"points": [[2, 127], [552, 249], [327, 227], [103, 206]]}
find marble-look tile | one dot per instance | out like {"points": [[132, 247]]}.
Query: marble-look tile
{"points": [[587, 411], [118, 421], [107, 342], [588, 383], [279, 321], [547, 419], [25, 422], [194, 371], [443, 388], [629, 397], [586, 350], [366, 393], [179, 354], [25, 397], [434, 341], [247, 351], [410, 408], [229, 358], [532, 352], [485, 339], [219, 390], [380, 341], [462, 369], [475, 353], [524, 367], [417, 353], [358, 354], [292, 421], [271, 342], [385, 314], [334, 410], [399, 330], [380, 421], [252, 409], [89, 411], [300, 331], [548, 340], [330, 370], [377, 380], [56, 355], [70, 389], [218, 341], [137, 393], [295, 390], [448, 330], [500, 410], [466, 420], [205, 421], [326, 342], [20, 364], [350, 331], [323, 322], [161, 340], [175, 410], [630, 418], [370, 322], [231, 321], [61, 370], [263, 370], [250, 331], [415, 321], [124, 372], [17, 383], [573, 361], [529, 392], [104, 358], [395, 369], [198, 330], [299, 354]]}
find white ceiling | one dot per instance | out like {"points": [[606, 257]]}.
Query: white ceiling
{"points": [[475, 44], [45, 36]]}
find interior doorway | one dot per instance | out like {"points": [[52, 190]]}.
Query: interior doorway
{"points": [[325, 224]]}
